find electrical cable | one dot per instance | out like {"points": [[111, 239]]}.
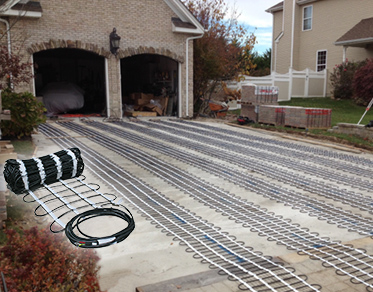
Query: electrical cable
{"points": [[86, 241]]}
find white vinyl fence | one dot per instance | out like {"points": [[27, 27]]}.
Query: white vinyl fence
{"points": [[306, 83]]}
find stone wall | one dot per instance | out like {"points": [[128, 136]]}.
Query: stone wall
{"points": [[353, 129]]}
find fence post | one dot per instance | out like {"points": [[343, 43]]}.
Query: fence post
{"points": [[306, 82], [325, 80]]}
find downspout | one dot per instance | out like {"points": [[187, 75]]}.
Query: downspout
{"points": [[9, 44], [274, 63], [8, 36], [277, 40], [187, 72], [292, 36], [292, 53]]}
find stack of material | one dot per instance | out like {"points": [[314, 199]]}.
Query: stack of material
{"points": [[271, 114], [6, 152], [147, 105], [254, 96], [308, 117]]}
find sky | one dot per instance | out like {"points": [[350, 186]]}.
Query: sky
{"points": [[253, 15]]}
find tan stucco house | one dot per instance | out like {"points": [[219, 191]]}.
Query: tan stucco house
{"points": [[69, 41], [318, 34]]}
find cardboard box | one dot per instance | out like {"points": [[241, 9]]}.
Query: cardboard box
{"points": [[140, 114]]}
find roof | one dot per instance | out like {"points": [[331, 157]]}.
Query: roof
{"points": [[358, 36], [186, 23], [277, 7], [29, 6], [25, 7], [280, 6], [179, 23]]}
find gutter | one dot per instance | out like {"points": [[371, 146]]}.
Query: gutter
{"points": [[354, 42]]}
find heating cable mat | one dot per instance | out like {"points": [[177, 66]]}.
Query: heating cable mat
{"points": [[345, 259], [314, 207], [251, 269], [55, 183]]}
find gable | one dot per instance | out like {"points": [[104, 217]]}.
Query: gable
{"points": [[186, 22]]}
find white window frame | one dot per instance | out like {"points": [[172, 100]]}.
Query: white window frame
{"points": [[309, 18], [321, 64]]}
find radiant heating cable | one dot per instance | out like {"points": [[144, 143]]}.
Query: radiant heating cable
{"points": [[53, 181]]}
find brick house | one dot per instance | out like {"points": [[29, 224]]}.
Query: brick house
{"points": [[69, 41], [318, 34]]}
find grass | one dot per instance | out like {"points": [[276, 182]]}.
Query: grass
{"points": [[343, 111], [25, 147]]}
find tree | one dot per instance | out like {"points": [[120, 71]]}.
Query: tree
{"points": [[12, 69], [262, 62], [362, 83], [342, 77], [222, 53]]}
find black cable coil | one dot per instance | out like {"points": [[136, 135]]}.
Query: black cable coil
{"points": [[30, 174], [87, 241]]}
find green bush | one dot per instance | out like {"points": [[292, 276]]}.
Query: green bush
{"points": [[363, 84], [342, 78], [26, 113], [38, 260]]}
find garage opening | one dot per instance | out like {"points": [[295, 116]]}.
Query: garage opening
{"points": [[70, 81], [149, 85]]}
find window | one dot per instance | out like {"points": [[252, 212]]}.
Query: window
{"points": [[307, 18], [321, 61]]}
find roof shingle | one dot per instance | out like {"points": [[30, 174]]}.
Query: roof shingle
{"points": [[359, 35]]}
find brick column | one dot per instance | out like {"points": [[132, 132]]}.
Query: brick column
{"points": [[114, 87]]}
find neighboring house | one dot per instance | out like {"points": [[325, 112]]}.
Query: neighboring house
{"points": [[319, 34], [69, 41]]}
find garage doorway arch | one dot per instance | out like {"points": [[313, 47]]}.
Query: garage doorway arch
{"points": [[150, 83], [72, 70]]}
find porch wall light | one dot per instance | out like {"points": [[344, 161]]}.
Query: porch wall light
{"points": [[114, 41]]}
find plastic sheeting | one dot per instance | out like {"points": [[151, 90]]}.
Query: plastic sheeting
{"points": [[62, 97]]}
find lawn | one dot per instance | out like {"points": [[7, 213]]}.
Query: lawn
{"points": [[343, 111]]}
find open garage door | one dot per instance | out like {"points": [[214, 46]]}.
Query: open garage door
{"points": [[149, 85], [70, 81]]}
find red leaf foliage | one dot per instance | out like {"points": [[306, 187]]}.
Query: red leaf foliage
{"points": [[39, 260], [13, 69], [363, 83]]}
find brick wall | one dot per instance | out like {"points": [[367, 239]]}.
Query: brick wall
{"points": [[144, 27]]}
